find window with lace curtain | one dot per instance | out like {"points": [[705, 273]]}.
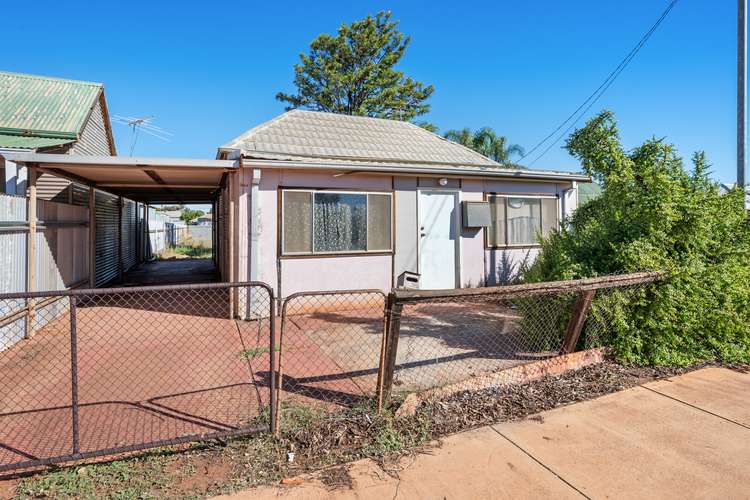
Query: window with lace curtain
{"points": [[520, 220], [331, 222]]}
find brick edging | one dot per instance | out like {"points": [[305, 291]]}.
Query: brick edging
{"points": [[516, 375]]}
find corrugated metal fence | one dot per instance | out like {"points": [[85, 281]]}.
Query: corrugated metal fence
{"points": [[62, 251], [129, 234], [163, 233], [107, 237], [61, 259]]}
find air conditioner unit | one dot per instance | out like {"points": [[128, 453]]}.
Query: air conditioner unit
{"points": [[476, 213]]}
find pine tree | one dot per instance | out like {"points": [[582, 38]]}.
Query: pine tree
{"points": [[354, 73]]}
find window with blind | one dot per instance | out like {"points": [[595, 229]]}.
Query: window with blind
{"points": [[520, 220], [331, 222]]}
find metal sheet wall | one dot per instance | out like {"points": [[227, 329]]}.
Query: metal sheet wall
{"points": [[13, 243], [62, 245], [129, 235], [93, 139], [61, 258], [107, 238]]}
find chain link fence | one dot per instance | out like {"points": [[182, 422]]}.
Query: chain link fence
{"points": [[87, 373], [330, 348], [467, 339], [100, 372]]}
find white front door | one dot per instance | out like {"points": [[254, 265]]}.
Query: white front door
{"points": [[438, 235]]}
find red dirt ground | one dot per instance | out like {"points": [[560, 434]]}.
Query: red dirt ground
{"points": [[170, 365], [148, 375]]}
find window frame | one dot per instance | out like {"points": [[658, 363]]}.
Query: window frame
{"points": [[487, 198], [312, 253]]}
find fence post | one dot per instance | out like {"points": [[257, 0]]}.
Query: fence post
{"points": [[92, 237], [577, 320], [383, 346], [280, 374], [31, 218], [388, 359], [272, 356], [74, 371]]}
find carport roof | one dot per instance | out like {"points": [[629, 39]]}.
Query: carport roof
{"points": [[153, 180]]}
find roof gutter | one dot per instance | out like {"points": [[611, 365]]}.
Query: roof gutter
{"points": [[487, 172], [50, 134], [117, 161]]}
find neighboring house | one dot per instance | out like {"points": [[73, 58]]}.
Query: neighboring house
{"points": [[588, 191], [330, 202], [204, 220], [174, 216], [51, 115]]}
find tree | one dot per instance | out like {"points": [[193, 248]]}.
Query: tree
{"points": [[430, 127], [486, 142], [653, 214], [189, 214], [353, 73]]}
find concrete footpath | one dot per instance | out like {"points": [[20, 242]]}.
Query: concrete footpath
{"points": [[683, 437]]}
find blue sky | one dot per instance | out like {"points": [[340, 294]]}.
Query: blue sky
{"points": [[210, 70]]}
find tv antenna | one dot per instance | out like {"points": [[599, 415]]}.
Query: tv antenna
{"points": [[142, 124]]}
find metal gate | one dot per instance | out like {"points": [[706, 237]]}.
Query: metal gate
{"points": [[125, 369]]}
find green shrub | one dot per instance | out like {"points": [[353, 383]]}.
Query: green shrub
{"points": [[655, 215]]}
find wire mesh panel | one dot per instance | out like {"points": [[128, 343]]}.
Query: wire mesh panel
{"points": [[611, 311], [330, 348], [448, 340], [35, 379], [467, 339], [125, 369]]}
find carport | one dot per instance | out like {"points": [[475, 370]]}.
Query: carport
{"points": [[120, 191]]}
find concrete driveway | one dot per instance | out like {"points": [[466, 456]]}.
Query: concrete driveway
{"points": [[684, 437]]}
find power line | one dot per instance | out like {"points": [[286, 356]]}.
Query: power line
{"points": [[581, 110]]}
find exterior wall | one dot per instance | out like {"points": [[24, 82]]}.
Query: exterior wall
{"points": [[472, 240], [336, 273], [94, 139], [479, 266], [504, 266], [406, 244], [14, 177], [61, 257], [287, 275]]}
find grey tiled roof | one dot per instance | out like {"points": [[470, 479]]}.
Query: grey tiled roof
{"points": [[307, 135]]}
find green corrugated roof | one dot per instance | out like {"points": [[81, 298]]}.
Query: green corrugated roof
{"points": [[588, 191], [26, 142], [38, 106]]}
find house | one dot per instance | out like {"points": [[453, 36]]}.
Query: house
{"points": [[588, 191], [174, 216], [319, 201], [204, 220], [51, 115], [332, 202]]}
